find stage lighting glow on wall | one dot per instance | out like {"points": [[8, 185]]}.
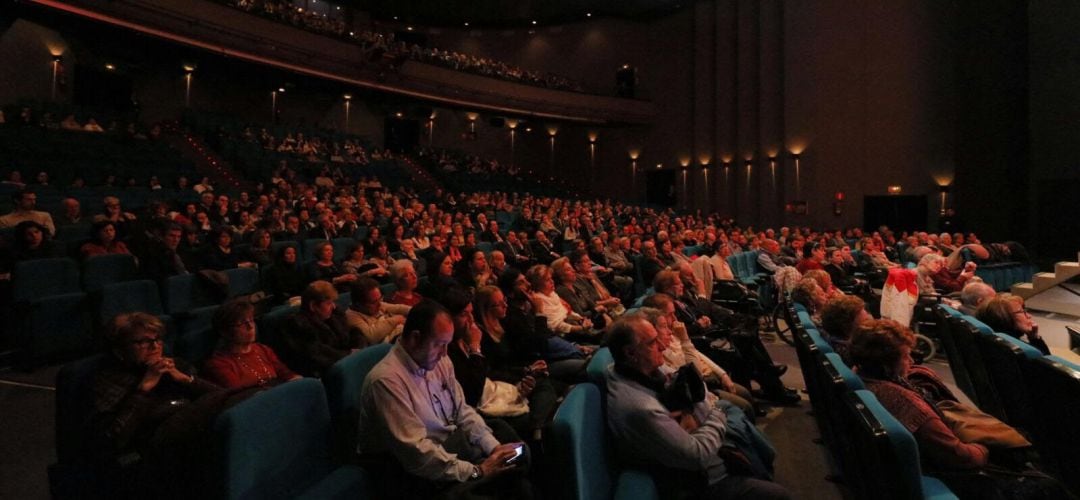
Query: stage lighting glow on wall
{"points": [[895, 189]]}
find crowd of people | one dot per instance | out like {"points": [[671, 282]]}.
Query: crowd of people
{"points": [[494, 303], [378, 45]]}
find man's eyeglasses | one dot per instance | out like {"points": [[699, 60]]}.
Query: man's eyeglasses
{"points": [[147, 342], [1022, 311]]}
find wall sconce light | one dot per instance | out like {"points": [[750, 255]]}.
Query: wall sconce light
{"points": [[895, 189], [838, 203], [944, 190], [592, 137], [56, 60], [634, 154], [684, 162], [552, 130]]}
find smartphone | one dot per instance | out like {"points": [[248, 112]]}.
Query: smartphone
{"points": [[518, 451]]}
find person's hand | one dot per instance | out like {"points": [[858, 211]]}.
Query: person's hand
{"points": [[585, 349], [727, 383], [495, 463], [526, 385], [398, 320], [679, 330], [586, 324], [538, 368], [473, 335], [153, 375], [704, 322], [970, 267], [686, 420]]}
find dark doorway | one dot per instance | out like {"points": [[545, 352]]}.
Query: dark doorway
{"points": [[900, 213], [661, 188], [402, 134]]}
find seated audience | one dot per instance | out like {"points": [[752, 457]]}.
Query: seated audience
{"points": [[522, 397], [689, 438], [974, 294], [840, 317], [103, 241], [881, 354], [377, 321], [284, 280], [25, 201], [561, 319], [31, 241], [416, 430], [1005, 313], [317, 336], [528, 333], [403, 275], [324, 268], [151, 411], [239, 360]]}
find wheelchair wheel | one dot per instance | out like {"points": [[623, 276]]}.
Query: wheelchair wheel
{"points": [[786, 334], [925, 348]]}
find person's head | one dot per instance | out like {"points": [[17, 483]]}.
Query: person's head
{"points": [[71, 207], [234, 322], [366, 296], [841, 315], [771, 246], [1006, 313], [931, 263], [821, 277], [540, 278], [428, 330], [564, 272], [635, 344], [104, 232], [490, 303], [808, 293], [514, 284], [136, 338], [581, 261], [497, 261], [324, 251], [25, 199], [221, 237], [662, 303], [648, 249], [355, 252], [477, 262], [404, 275], [669, 282], [659, 320], [458, 303], [318, 299], [29, 235], [836, 256], [882, 348], [975, 293]]}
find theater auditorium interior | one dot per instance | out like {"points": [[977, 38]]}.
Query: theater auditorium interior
{"points": [[574, 249]]}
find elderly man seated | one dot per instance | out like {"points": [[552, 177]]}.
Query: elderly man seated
{"points": [[973, 295], [653, 430], [417, 431]]}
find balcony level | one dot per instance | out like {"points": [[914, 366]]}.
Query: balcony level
{"points": [[230, 32]]}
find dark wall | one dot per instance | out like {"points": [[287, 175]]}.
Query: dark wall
{"points": [[992, 132]]}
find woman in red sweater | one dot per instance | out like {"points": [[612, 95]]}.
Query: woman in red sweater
{"points": [[239, 360]]}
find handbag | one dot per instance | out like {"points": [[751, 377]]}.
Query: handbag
{"points": [[502, 399], [971, 425]]}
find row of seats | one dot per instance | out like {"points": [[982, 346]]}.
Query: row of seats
{"points": [[251, 455], [1007, 378], [876, 455], [56, 310], [1003, 276], [580, 446]]}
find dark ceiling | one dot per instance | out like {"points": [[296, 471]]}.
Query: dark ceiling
{"points": [[496, 13]]}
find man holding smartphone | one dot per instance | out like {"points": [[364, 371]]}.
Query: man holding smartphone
{"points": [[416, 429]]}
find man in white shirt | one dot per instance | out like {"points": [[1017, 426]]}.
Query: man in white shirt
{"points": [[413, 412], [379, 322]]}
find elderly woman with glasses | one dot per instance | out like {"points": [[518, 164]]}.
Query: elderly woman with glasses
{"points": [[151, 407], [1005, 313], [240, 361]]}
